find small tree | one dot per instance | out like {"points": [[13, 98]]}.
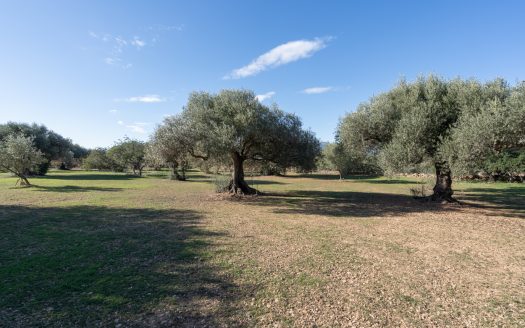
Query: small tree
{"points": [[171, 143], [19, 156], [97, 159], [129, 153]]}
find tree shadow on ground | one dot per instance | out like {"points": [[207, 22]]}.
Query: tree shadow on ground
{"points": [[68, 189], [255, 182], [510, 199], [101, 266], [354, 178], [313, 176], [88, 177], [344, 203], [394, 181], [507, 203]]}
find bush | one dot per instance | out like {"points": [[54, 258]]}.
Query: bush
{"points": [[221, 183]]}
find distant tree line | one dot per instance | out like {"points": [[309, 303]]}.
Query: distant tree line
{"points": [[27, 150], [461, 128]]}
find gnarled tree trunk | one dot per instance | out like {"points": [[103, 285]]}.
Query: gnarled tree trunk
{"points": [[175, 172], [22, 181], [237, 184], [443, 188]]}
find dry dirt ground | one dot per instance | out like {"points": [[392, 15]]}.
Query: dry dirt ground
{"points": [[93, 249]]}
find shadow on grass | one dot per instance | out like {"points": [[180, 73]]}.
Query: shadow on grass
{"points": [[507, 202], [344, 203], [395, 181], [99, 266], [89, 177], [67, 189], [314, 176], [512, 198], [358, 178]]}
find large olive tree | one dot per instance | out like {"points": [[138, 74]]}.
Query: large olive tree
{"points": [[435, 122], [234, 125]]}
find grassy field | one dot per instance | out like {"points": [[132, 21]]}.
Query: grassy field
{"points": [[104, 249]]}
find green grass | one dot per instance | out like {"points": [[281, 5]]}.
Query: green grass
{"points": [[95, 248]]}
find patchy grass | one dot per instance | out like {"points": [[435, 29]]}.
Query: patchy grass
{"points": [[105, 249]]}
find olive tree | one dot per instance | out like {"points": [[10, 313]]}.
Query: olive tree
{"points": [[98, 159], [171, 143], [129, 153], [448, 125], [19, 156], [234, 125]]}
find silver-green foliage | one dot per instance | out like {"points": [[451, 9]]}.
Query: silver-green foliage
{"points": [[19, 156], [461, 124]]}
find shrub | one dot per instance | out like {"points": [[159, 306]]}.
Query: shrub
{"points": [[221, 183]]}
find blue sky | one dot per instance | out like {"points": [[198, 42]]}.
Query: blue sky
{"points": [[96, 71]]}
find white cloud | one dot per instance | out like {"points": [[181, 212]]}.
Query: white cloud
{"points": [[137, 129], [144, 99], [265, 96], [113, 111], [138, 43], [317, 90], [280, 55]]}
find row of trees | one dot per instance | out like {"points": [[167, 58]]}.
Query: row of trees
{"points": [[229, 129], [456, 127], [31, 149], [452, 127]]}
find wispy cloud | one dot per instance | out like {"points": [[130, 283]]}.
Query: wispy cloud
{"points": [[137, 127], [265, 96], [317, 90], [280, 55], [137, 42], [143, 99], [116, 46], [113, 111]]}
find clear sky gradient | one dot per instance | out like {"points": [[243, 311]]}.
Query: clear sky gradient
{"points": [[96, 71]]}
